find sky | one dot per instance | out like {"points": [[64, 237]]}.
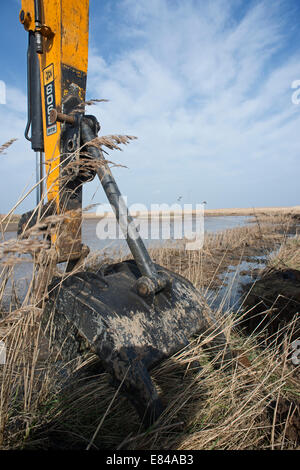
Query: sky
{"points": [[206, 86]]}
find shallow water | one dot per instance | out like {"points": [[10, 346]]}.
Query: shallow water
{"points": [[159, 232], [230, 294]]}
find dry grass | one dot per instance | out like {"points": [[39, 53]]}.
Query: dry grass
{"points": [[222, 250], [6, 145], [206, 407], [288, 255]]}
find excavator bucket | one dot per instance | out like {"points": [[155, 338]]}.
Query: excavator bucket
{"points": [[132, 314], [130, 334]]}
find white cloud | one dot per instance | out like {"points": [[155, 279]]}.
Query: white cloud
{"points": [[18, 162], [208, 98]]}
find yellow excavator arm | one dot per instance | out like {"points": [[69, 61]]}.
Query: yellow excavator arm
{"points": [[58, 42]]}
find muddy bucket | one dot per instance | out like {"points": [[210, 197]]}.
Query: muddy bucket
{"points": [[130, 334]]}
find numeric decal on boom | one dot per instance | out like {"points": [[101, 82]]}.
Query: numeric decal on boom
{"points": [[49, 88]]}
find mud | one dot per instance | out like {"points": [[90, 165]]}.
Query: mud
{"points": [[274, 302]]}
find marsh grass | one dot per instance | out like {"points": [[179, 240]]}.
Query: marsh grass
{"points": [[207, 407], [288, 256]]}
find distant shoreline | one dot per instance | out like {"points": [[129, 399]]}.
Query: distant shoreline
{"points": [[207, 212], [250, 212]]}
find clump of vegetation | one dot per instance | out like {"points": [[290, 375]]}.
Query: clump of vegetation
{"points": [[288, 257]]}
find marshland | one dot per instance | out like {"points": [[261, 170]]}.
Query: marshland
{"points": [[253, 404]]}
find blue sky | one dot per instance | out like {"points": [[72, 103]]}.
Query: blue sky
{"points": [[204, 85]]}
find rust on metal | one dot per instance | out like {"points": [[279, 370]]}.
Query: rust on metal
{"points": [[55, 116]]}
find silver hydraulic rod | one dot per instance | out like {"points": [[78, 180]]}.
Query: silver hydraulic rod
{"points": [[39, 172], [125, 221]]}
